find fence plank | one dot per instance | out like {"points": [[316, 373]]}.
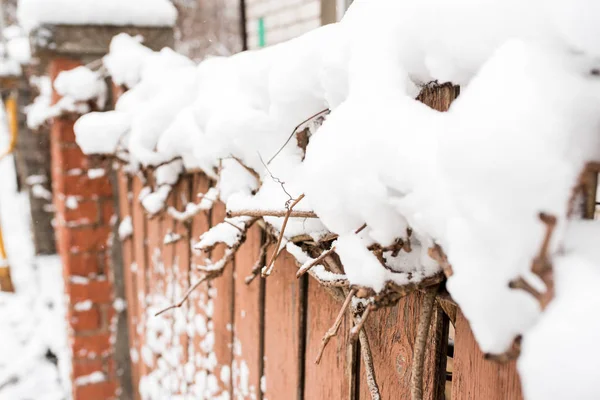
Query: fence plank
{"points": [[392, 333], [284, 298], [127, 246], [221, 294], [139, 245], [248, 318], [199, 305], [181, 282], [474, 377], [331, 378]]}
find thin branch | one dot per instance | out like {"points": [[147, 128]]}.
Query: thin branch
{"points": [[437, 254], [316, 261], [358, 327], [271, 213], [269, 270], [324, 112], [259, 262], [418, 361], [508, 356], [336, 325], [365, 349], [185, 296], [522, 284]]}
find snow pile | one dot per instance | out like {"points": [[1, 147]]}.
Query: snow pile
{"points": [[82, 90], [32, 13], [14, 51], [472, 180], [34, 356]]}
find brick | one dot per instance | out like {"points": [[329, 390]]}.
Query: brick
{"points": [[88, 320], [87, 212], [82, 264], [86, 345], [84, 366], [81, 185], [96, 391], [68, 157], [98, 291], [83, 240], [62, 131]]}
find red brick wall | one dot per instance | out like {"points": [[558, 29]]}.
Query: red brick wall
{"points": [[84, 212]]}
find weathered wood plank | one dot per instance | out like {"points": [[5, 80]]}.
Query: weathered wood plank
{"points": [[330, 378], [199, 304], [221, 293], [475, 378], [127, 246], [392, 334], [182, 193], [248, 333], [284, 298]]}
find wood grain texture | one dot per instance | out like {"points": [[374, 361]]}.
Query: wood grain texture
{"points": [[247, 325], [181, 278], [330, 378], [127, 246], [283, 327], [221, 293], [198, 304], [139, 270], [392, 333], [475, 378]]}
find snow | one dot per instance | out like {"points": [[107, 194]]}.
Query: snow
{"points": [[81, 84], [472, 180], [32, 13], [125, 228], [33, 318]]}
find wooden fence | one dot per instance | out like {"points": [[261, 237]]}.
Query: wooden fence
{"points": [[263, 337], [259, 340]]}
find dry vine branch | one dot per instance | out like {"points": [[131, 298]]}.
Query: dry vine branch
{"points": [[358, 327], [437, 253], [269, 269], [316, 261], [185, 296], [365, 349], [259, 263], [421, 343], [271, 213], [510, 355], [336, 325], [322, 113]]}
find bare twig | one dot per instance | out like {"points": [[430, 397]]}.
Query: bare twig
{"points": [[185, 296], [522, 284], [269, 269], [358, 327], [336, 325], [508, 356], [317, 115], [271, 213], [365, 349], [259, 263], [437, 253], [421, 344], [316, 261]]}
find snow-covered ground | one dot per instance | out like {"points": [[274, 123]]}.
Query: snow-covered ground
{"points": [[34, 360]]}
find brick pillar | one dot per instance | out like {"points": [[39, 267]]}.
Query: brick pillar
{"points": [[84, 213], [85, 224]]}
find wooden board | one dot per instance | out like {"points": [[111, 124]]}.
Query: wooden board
{"points": [[284, 299], [221, 293], [181, 195], [199, 301], [392, 332], [248, 320], [332, 378], [127, 246], [474, 377]]}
